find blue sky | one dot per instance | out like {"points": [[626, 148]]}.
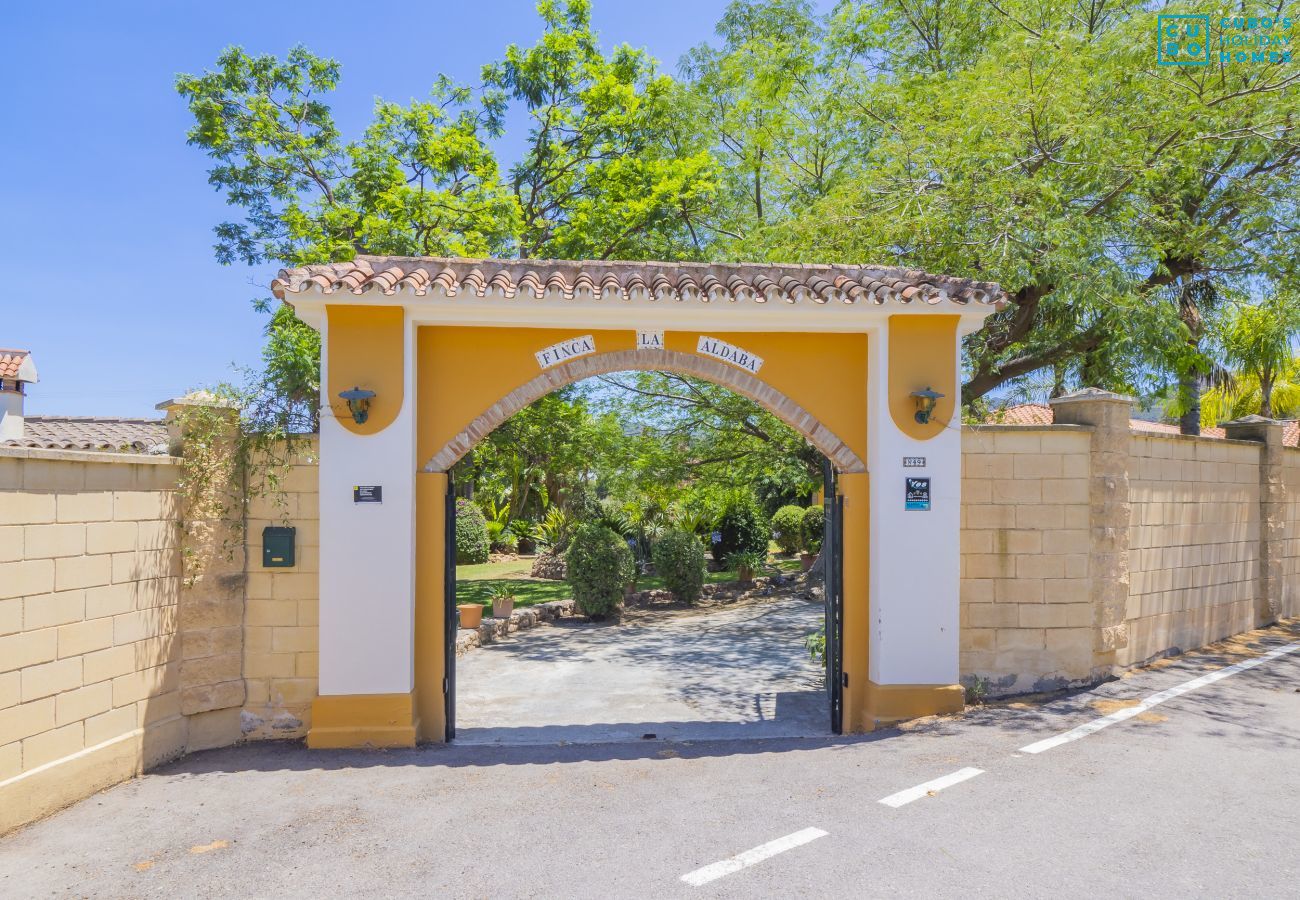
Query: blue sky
{"points": [[106, 240]]}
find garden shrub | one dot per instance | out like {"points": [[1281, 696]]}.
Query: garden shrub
{"points": [[679, 560], [471, 534], [743, 529], [600, 566], [814, 520], [787, 528]]}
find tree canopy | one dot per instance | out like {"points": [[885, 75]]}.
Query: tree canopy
{"points": [[1039, 145]]}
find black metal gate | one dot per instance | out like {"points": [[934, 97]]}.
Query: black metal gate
{"points": [[833, 585], [451, 616]]}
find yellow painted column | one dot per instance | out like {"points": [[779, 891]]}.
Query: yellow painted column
{"points": [[856, 490], [430, 619]]}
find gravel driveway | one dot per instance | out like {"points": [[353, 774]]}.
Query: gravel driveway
{"points": [[740, 672]]}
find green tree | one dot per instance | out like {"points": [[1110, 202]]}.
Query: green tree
{"points": [[1051, 154], [767, 99], [1259, 340], [610, 169]]}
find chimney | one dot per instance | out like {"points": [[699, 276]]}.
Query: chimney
{"points": [[16, 372]]}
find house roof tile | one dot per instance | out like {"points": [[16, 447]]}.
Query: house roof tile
{"points": [[690, 282], [92, 433]]}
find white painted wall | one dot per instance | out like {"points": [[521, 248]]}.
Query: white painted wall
{"points": [[915, 556], [11, 415], [367, 565]]}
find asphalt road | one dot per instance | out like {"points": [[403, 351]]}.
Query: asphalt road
{"points": [[1198, 796]]}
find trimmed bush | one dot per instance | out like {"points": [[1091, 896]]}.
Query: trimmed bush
{"points": [[743, 529], [787, 528], [600, 566], [679, 560], [471, 534], [814, 520]]}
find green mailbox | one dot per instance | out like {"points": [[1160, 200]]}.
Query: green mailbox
{"points": [[278, 546]]}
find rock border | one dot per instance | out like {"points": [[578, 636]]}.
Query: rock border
{"points": [[493, 629]]}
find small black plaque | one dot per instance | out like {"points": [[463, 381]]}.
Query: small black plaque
{"points": [[368, 493], [917, 495], [913, 462]]}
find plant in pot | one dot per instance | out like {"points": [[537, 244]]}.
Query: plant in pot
{"points": [[503, 604], [814, 520], [471, 615], [746, 563]]}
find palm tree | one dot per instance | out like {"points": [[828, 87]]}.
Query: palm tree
{"points": [[1257, 340]]}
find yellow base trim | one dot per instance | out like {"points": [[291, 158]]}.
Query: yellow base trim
{"points": [[362, 720], [890, 703]]}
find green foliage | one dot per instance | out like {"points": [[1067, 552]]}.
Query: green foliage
{"points": [[1043, 148], [746, 563], [526, 535], [814, 524], [743, 528], [555, 529], [600, 566], [1258, 339], [678, 430], [472, 544], [611, 168], [788, 529], [679, 561], [816, 645], [538, 456]]}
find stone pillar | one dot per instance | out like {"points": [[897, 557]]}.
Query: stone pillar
{"points": [[1110, 513], [1272, 511], [210, 612]]}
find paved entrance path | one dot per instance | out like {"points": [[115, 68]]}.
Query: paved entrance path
{"points": [[741, 672], [1194, 797]]}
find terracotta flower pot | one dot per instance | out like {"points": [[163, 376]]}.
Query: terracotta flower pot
{"points": [[806, 561], [502, 608], [744, 574], [471, 615]]}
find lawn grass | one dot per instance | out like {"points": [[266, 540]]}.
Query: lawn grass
{"points": [[477, 584]]}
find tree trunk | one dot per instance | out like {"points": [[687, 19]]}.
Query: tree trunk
{"points": [[1189, 383], [1189, 395]]}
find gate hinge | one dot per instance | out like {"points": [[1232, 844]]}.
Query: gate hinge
{"points": [[444, 685], [846, 678]]}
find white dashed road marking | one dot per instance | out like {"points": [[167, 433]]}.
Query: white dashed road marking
{"points": [[1155, 700], [744, 860], [902, 798]]}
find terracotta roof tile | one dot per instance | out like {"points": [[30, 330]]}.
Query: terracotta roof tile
{"points": [[1041, 414], [92, 433], [15, 364], [1022, 414], [653, 281]]}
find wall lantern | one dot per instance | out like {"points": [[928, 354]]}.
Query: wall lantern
{"points": [[925, 401], [359, 403]]}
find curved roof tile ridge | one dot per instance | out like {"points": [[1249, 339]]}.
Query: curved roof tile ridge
{"points": [[629, 280]]}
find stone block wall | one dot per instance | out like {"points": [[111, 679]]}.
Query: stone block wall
{"points": [[280, 633], [1026, 615], [1290, 567], [1194, 540], [90, 654]]}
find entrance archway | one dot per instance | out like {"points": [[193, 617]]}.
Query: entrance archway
{"points": [[450, 346], [777, 657], [738, 380]]}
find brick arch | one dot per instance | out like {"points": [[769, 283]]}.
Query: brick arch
{"points": [[728, 376]]}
